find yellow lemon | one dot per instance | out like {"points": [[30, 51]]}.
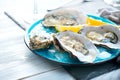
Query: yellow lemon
{"points": [[93, 22], [72, 28], [119, 26]]}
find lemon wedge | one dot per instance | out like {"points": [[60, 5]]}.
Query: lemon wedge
{"points": [[71, 28], [119, 26], [93, 22]]}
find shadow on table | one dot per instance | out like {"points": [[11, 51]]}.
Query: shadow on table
{"points": [[91, 71]]}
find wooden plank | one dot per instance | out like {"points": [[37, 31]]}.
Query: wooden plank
{"points": [[16, 60], [59, 74], [20, 68]]}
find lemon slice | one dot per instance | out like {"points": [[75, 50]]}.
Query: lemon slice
{"points": [[71, 28], [93, 22], [119, 26]]}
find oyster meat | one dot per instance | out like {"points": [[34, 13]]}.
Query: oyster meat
{"points": [[77, 45], [106, 35], [39, 42], [64, 16]]}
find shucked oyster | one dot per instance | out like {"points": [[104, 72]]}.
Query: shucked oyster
{"points": [[106, 35], [64, 16], [39, 42], [77, 45]]}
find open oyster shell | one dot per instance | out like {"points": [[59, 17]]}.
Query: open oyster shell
{"points": [[39, 42], [106, 35], [77, 45], [64, 16]]}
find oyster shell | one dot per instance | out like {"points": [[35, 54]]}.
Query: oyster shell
{"points": [[77, 45], [106, 35], [64, 16]]}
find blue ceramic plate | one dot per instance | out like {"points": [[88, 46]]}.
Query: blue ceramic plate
{"points": [[53, 54]]}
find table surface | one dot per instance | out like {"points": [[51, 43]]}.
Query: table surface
{"points": [[17, 61]]}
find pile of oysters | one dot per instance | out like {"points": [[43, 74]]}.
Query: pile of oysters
{"points": [[81, 45]]}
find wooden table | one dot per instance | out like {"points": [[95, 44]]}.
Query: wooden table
{"points": [[16, 60]]}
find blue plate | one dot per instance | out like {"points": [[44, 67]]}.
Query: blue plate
{"points": [[53, 54]]}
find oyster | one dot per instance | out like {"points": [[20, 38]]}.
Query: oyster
{"points": [[64, 16], [39, 42], [106, 35], [77, 45]]}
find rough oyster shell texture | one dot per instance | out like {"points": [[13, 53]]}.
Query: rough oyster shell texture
{"points": [[64, 16], [67, 41], [106, 35]]}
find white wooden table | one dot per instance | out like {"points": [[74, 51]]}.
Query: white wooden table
{"points": [[16, 60]]}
